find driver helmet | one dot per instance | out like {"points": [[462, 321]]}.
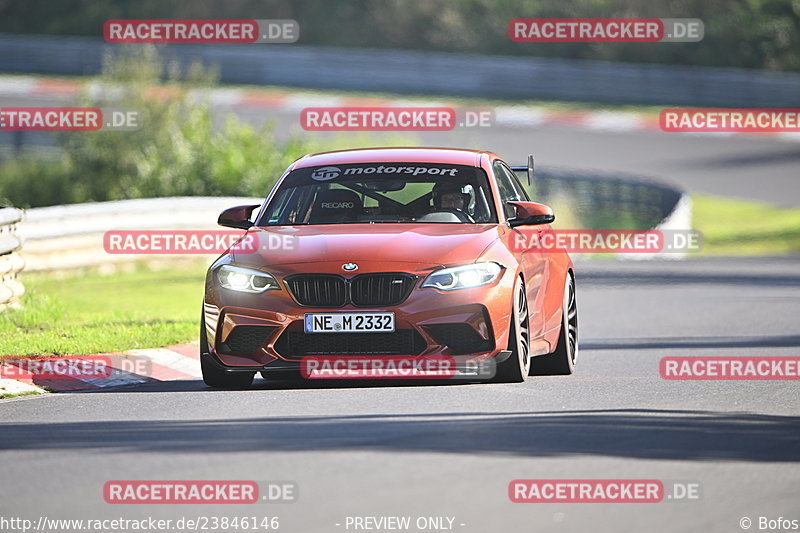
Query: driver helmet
{"points": [[465, 192]]}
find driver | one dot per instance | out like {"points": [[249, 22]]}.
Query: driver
{"points": [[450, 196]]}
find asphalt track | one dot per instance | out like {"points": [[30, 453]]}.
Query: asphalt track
{"points": [[451, 450]]}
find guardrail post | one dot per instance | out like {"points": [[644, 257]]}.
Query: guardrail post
{"points": [[11, 263]]}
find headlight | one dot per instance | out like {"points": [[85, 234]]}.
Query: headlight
{"points": [[245, 279], [463, 277]]}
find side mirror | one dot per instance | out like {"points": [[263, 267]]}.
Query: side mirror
{"points": [[237, 217], [530, 214]]}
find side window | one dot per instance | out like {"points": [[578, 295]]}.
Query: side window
{"points": [[510, 190], [522, 195]]}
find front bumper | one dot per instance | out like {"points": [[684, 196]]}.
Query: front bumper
{"points": [[265, 331]]}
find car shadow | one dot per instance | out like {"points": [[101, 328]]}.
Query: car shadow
{"points": [[631, 433], [194, 385], [776, 341]]}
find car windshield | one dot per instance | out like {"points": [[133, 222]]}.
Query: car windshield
{"points": [[382, 193]]}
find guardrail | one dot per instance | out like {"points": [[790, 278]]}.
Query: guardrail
{"points": [[404, 71], [66, 237], [604, 200], [11, 264]]}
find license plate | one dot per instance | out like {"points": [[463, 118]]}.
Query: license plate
{"points": [[349, 322]]}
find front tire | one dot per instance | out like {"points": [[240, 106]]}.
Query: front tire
{"points": [[516, 368], [561, 362], [216, 377]]}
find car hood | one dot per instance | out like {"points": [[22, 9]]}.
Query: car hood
{"points": [[429, 244]]}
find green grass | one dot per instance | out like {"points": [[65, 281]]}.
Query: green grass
{"points": [[91, 313], [741, 227], [9, 395]]}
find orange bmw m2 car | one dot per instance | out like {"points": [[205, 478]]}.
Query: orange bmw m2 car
{"points": [[410, 252]]}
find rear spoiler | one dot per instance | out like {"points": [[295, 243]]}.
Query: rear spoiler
{"points": [[528, 170]]}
